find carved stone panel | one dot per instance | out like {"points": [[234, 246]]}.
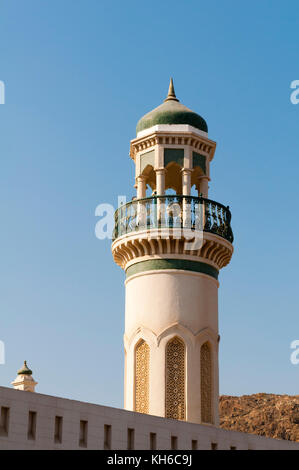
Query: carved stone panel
{"points": [[206, 383], [142, 365], [175, 379]]}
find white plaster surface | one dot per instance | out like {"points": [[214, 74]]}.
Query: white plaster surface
{"points": [[163, 304]]}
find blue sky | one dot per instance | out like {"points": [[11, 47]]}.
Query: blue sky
{"points": [[78, 76]]}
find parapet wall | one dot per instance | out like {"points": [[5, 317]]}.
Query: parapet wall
{"points": [[34, 421]]}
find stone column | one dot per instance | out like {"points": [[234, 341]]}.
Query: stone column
{"points": [[141, 187], [186, 190], [204, 186], [186, 181], [160, 189], [141, 209], [160, 181]]}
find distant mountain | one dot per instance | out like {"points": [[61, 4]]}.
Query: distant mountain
{"points": [[264, 414]]}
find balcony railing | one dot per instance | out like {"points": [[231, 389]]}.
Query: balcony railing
{"points": [[173, 212]]}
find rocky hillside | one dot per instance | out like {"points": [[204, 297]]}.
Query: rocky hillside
{"points": [[263, 414]]}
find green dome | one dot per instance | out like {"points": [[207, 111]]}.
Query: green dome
{"points": [[171, 112], [24, 370]]}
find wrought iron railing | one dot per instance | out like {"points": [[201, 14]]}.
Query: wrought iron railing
{"points": [[184, 212]]}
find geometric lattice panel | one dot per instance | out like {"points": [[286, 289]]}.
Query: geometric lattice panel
{"points": [[142, 367], [206, 383], [175, 379]]}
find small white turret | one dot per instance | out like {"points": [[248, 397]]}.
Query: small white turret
{"points": [[24, 380]]}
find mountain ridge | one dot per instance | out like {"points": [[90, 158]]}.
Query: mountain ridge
{"points": [[264, 414]]}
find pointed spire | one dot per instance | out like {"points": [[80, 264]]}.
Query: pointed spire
{"points": [[171, 93]]}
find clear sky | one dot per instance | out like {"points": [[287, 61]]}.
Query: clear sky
{"points": [[78, 76]]}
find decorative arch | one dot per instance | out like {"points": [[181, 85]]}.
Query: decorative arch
{"points": [[149, 172], [142, 368], [178, 330], [173, 177], [206, 383], [139, 334], [175, 379]]}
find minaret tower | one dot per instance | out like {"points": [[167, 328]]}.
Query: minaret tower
{"points": [[172, 245]]}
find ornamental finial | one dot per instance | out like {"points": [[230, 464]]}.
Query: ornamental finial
{"points": [[171, 93]]}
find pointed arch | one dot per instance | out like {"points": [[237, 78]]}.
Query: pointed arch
{"points": [[173, 177], [149, 172], [206, 385], [175, 379], [142, 368]]}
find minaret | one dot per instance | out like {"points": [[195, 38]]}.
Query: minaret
{"points": [[172, 245], [24, 380]]}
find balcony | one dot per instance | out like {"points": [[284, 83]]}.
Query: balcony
{"points": [[173, 212]]}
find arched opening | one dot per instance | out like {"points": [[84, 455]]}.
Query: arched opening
{"points": [[175, 379], [170, 192], [196, 190], [150, 181], [206, 385], [173, 177], [142, 365]]}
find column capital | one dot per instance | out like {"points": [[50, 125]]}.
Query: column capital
{"points": [[141, 178], [186, 170], [204, 177]]}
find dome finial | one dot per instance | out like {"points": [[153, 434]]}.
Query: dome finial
{"points": [[171, 93]]}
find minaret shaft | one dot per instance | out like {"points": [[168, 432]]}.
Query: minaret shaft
{"points": [[162, 304]]}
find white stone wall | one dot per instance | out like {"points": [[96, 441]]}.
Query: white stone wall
{"points": [[97, 416]]}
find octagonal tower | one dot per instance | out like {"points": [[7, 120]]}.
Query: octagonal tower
{"points": [[172, 245]]}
